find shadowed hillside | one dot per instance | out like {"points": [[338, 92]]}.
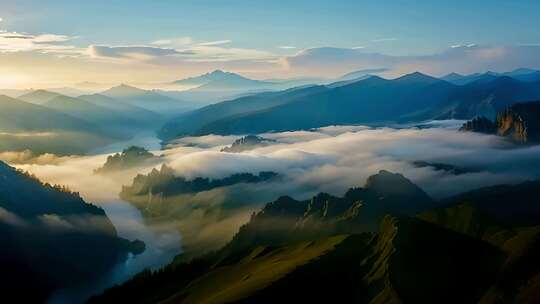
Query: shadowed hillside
{"points": [[322, 250], [52, 239]]}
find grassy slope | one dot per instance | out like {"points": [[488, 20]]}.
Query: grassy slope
{"points": [[253, 272]]}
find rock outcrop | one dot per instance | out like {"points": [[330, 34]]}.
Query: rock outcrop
{"points": [[479, 124], [519, 122], [247, 143]]}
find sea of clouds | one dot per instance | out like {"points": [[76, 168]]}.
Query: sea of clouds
{"points": [[331, 159]]}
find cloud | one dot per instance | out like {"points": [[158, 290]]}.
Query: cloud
{"points": [[10, 218], [43, 43], [219, 42], [335, 158], [29, 157], [29, 134], [133, 52], [384, 40], [330, 159], [469, 58], [174, 42], [287, 47]]}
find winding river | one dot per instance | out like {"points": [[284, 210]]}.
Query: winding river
{"points": [[163, 243]]}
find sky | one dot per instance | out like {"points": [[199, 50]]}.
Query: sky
{"points": [[66, 42]]}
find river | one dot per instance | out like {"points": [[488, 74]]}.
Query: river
{"points": [[163, 243]]}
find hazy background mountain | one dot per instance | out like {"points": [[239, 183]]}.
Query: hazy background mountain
{"points": [[522, 74], [29, 126], [148, 100], [222, 81]]}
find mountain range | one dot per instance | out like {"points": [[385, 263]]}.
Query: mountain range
{"points": [[221, 81], [149, 100], [386, 242], [76, 125], [39, 128], [373, 100], [522, 74]]}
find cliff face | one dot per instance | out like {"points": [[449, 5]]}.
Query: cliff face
{"points": [[519, 122]]}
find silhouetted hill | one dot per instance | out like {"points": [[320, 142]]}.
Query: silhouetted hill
{"points": [[247, 143], [38, 96], [164, 183], [191, 122], [522, 74], [114, 122], [129, 158], [29, 126], [372, 100], [148, 100], [140, 115], [51, 238], [359, 210]]}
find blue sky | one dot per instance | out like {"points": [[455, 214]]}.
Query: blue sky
{"points": [[418, 26], [255, 37]]}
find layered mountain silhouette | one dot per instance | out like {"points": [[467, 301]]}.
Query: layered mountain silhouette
{"points": [[42, 129], [39, 96], [191, 123], [51, 238], [410, 98], [522, 74], [149, 100], [476, 247]]}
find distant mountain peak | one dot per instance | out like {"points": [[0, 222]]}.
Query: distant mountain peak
{"points": [[219, 72], [222, 80], [39, 96], [452, 77], [386, 183], [417, 77], [126, 86], [123, 90]]}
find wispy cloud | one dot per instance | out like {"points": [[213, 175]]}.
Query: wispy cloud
{"points": [[174, 42], [287, 47], [43, 43], [468, 45], [212, 43], [358, 47], [384, 39], [468, 58], [133, 52]]}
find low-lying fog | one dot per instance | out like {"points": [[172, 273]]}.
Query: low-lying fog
{"points": [[330, 159]]}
